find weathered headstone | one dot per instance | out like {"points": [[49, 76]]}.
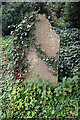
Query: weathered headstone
{"points": [[46, 37], [49, 41]]}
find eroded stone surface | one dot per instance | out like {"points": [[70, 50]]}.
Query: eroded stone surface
{"points": [[46, 37], [39, 67]]}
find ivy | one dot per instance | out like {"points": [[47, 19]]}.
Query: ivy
{"points": [[51, 61], [38, 98], [69, 51], [22, 39]]}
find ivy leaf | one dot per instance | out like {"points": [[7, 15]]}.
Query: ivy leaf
{"points": [[34, 37], [69, 89], [28, 26], [25, 33], [30, 17], [52, 112], [32, 23], [4, 116]]}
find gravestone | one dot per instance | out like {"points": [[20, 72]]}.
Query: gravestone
{"points": [[46, 37], [49, 43]]}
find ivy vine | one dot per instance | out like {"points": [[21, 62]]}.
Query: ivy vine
{"points": [[51, 61], [23, 37]]}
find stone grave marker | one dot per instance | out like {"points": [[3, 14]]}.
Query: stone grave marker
{"points": [[49, 44], [46, 37]]}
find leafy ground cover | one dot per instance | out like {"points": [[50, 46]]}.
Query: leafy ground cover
{"points": [[69, 53], [37, 99]]}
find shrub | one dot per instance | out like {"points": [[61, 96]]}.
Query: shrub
{"points": [[18, 9], [13, 13], [28, 100], [67, 97], [69, 51], [33, 99]]}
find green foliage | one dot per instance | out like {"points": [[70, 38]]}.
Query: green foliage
{"points": [[33, 99], [27, 100], [7, 47], [67, 14], [14, 12], [49, 61], [67, 94], [23, 37], [69, 51], [37, 98], [59, 14], [71, 14]]}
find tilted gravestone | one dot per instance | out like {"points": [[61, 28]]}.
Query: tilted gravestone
{"points": [[48, 41]]}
